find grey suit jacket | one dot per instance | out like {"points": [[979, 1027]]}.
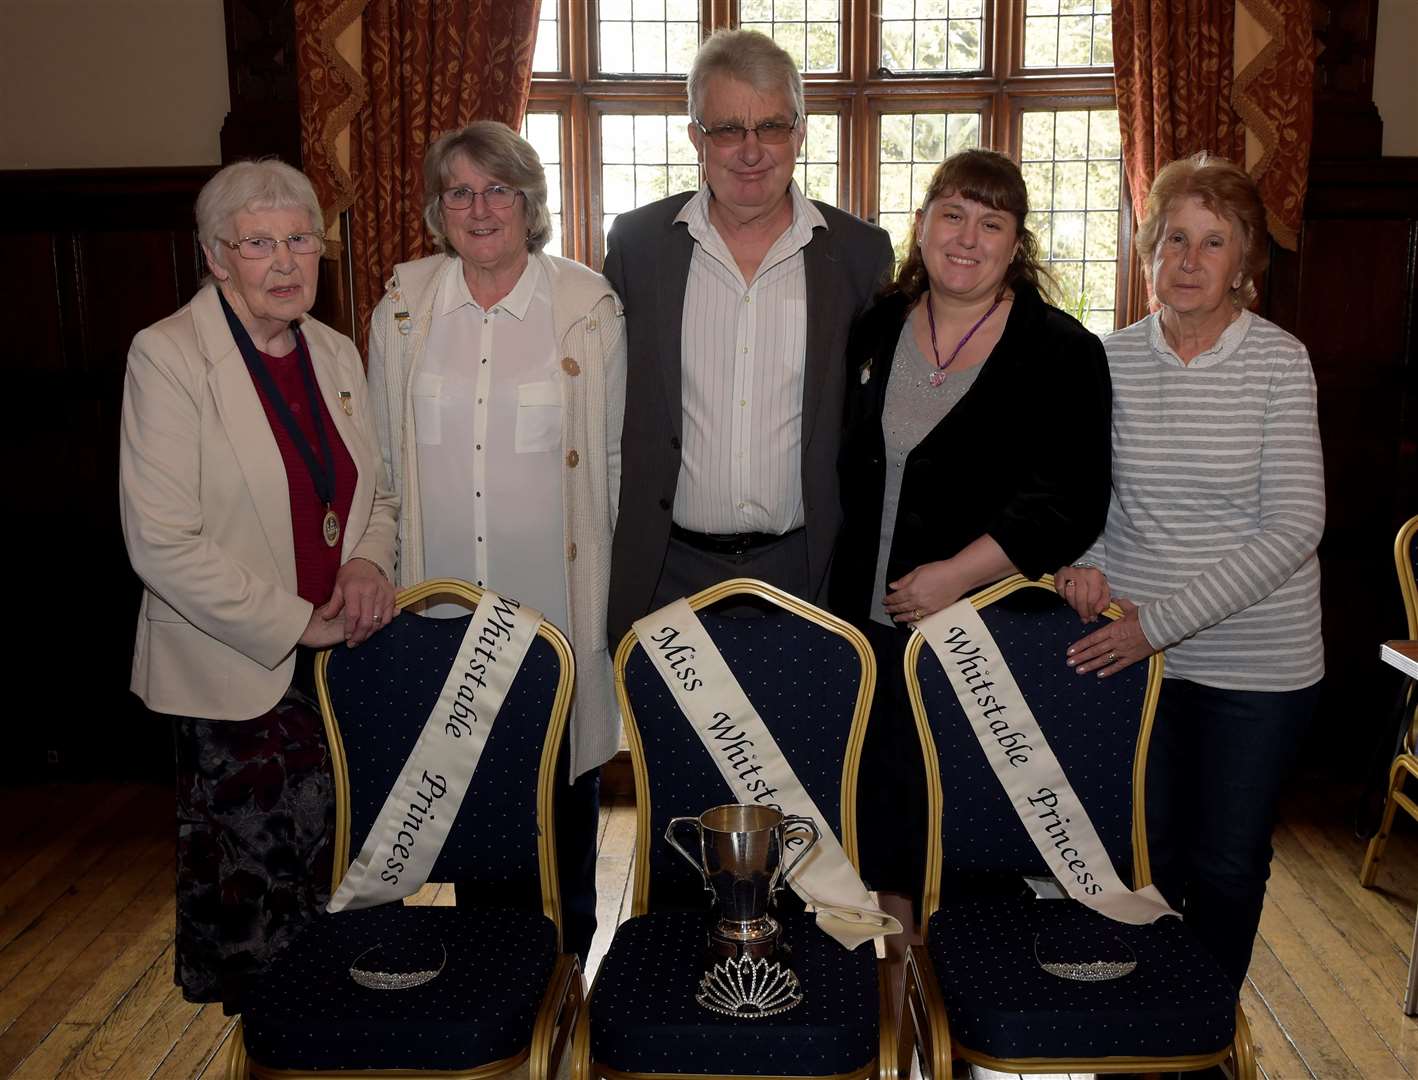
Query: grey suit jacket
{"points": [[647, 261]]}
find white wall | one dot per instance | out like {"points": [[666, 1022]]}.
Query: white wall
{"points": [[1396, 76], [111, 83]]}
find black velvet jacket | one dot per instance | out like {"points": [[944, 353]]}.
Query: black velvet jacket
{"points": [[1024, 456]]}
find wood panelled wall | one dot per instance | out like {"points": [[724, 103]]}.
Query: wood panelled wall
{"points": [[95, 256], [91, 259]]}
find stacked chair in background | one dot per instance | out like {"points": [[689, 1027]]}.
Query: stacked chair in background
{"points": [[507, 996]]}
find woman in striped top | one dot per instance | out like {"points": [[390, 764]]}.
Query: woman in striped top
{"points": [[1209, 548]]}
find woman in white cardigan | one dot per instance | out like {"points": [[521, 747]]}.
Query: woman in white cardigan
{"points": [[498, 376]]}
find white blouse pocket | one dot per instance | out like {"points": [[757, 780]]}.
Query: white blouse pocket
{"points": [[538, 417], [428, 418]]}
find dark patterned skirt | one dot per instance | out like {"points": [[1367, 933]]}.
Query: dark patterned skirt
{"points": [[255, 822]]}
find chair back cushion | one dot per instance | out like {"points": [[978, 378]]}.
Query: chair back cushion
{"points": [[382, 693], [802, 677], [1091, 724]]}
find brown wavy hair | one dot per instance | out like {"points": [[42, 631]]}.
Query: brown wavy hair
{"points": [[994, 180], [1227, 191]]}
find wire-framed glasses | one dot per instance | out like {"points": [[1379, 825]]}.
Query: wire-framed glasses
{"points": [[263, 247], [771, 132], [496, 197]]}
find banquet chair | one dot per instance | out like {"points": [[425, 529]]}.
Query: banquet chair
{"points": [[506, 996], [1405, 763], [810, 677], [977, 989]]}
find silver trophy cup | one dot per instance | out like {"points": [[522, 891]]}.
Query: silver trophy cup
{"points": [[741, 858]]}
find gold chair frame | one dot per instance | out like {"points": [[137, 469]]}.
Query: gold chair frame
{"points": [[565, 996], [925, 1006], [892, 1039]]}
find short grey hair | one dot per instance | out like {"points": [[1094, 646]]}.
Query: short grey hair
{"points": [[497, 150], [267, 184], [750, 57]]}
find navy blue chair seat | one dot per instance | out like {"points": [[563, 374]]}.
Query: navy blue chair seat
{"points": [[1002, 1004], [647, 1020], [310, 1014]]}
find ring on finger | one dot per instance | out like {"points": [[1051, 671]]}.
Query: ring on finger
{"points": [[918, 614], [1112, 656], [1069, 583]]}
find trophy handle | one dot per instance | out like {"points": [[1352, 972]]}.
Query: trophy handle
{"points": [[792, 822], [674, 843]]}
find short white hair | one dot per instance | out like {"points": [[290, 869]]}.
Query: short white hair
{"points": [[750, 57], [267, 184]]}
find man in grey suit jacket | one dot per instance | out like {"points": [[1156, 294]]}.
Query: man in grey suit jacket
{"points": [[738, 300]]}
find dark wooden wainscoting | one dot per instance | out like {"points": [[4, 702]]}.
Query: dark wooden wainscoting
{"points": [[91, 258]]}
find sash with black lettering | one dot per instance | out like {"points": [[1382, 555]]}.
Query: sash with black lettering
{"points": [[412, 825], [753, 766], [1026, 767]]}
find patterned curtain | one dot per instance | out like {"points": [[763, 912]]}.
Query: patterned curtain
{"points": [[1178, 90], [331, 93], [429, 66]]}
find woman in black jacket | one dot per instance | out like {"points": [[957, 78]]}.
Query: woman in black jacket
{"points": [[976, 446]]}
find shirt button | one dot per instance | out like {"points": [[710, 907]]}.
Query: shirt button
{"points": [[479, 446], [572, 459], [740, 507], [591, 324], [570, 366], [571, 552], [747, 299], [743, 402], [745, 350]]}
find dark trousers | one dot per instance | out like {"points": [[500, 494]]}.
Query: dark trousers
{"points": [[1215, 767], [578, 816], [687, 570], [891, 785]]}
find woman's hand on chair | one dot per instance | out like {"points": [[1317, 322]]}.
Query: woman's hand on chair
{"points": [[365, 599], [925, 590], [1117, 645], [1085, 589]]}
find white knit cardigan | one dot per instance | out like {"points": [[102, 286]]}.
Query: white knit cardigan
{"points": [[590, 330]]}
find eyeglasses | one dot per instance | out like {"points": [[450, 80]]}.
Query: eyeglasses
{"points": [[497, 197], [770, 132], [263, 247]]}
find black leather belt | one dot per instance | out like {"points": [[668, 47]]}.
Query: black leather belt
{"points": [[727, 543]]}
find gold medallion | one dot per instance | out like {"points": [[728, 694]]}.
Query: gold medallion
{"points": [[331, 528], [346, 403]]}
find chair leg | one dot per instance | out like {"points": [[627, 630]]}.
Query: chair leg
{"points": [[237, 1065], [581, 1043], [1243, 1055], [556, 1019], [924, 1011], [1404, 765]]}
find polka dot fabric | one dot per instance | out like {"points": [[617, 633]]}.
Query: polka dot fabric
{"points": [[803, 680], [1091, 724], [645, 1019], [1001, 1003], [382, 693], [310, 1014]]}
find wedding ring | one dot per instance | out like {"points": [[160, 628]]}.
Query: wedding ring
{"points": [[919, 614], [1068, 584], [1112, 656]]}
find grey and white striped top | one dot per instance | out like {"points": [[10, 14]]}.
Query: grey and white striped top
{"points": [[1218, 503]]}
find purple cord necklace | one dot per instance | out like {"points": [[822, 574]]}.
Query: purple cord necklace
{"points": [[938, 375]]}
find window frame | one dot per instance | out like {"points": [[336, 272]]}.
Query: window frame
{"points": [[859, 94]]}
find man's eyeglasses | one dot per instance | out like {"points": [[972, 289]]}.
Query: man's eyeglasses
{"points": [[497, 197], [770, 132], [263, 247]]}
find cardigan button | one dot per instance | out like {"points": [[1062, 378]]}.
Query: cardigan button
{"points": [[592, 324], [572, 459], [570, 552], [570, 366]]}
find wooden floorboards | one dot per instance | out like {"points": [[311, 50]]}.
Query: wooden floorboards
{"points": [[86, 927]]}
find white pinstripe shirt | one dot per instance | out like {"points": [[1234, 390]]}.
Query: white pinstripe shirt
{"points": [[743, 347]]}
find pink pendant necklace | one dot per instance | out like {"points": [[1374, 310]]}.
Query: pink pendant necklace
{"points": [[938, 375]]}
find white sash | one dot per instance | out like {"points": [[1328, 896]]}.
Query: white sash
{"points": [[754, 767], [1028, 770], [412, 825]]}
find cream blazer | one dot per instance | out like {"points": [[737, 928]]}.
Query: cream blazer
{"points": [[206, 512]]}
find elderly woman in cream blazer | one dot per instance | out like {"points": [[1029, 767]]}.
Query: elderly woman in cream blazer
{"points": [[258, 514]]}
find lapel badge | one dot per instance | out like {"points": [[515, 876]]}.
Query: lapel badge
{"points": [[346, 402], [405, 323]]}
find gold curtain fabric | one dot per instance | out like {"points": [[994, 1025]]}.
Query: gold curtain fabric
{"points": [[429, 66], [331, 93], [1228, 76]]}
